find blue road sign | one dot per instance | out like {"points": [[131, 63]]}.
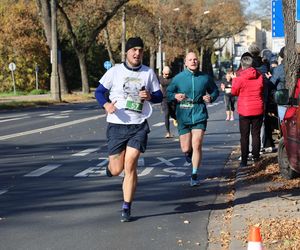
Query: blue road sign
{"points": [[298, 10], [107, 64], [277, 19]]}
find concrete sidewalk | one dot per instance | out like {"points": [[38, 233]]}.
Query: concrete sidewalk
{"points": [[256, 195], [262, 200]]}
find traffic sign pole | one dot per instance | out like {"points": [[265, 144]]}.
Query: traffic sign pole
{"points": [[12, 67], [14, 83], [36, 77]]}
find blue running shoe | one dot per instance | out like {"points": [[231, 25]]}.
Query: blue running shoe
{"points": [[188, 156], [125, 216], [194, 183]]}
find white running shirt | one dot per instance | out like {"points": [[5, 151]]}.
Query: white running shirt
{"points": [[124, 83]]}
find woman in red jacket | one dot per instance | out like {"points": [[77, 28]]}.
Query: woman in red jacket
{"points": [[248, 86]]}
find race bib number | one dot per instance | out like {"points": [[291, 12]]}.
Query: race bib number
{"points": [[133, 105], [186, 104]]}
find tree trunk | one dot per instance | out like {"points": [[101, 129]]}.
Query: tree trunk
{"points": [[206, 62], [82, 48], [108, 46], [83, 71], [152, 57], [291, 57], [62, 79], [123, 33], [44, 8]]}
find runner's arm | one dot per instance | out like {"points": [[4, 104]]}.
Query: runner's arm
{"points": [[100, 95], [156, 97]]}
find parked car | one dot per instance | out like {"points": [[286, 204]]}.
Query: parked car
{"points": [[289, 144]]}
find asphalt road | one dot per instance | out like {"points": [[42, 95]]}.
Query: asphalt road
{"points": [[54, 193]]}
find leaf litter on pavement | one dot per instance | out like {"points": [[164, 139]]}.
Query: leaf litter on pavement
{"points": [[279, 231]]}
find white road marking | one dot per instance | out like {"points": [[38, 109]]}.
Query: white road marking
{"points": [[214, 104], [57, 116], [5, 137], [173, 172], [3, 191], [15, 119], [86, 152], [91, 172], [46, 114], [158, 124], [12, 116], [145, 172], [104, 162], [97, 172], [165, 161], [66, 111], [42, 170]]}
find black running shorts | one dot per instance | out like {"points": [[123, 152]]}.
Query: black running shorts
{"points": [[119, 136]]}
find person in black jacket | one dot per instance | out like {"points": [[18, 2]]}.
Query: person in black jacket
{"points": [[261, 62], [164, 81]]}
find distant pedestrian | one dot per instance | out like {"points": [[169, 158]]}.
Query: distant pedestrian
{"points": [[164, 81], [229, 99], [192, 89], [248, 86], [132, 87], [273, 65], [270, 108], [278, 76], [277, 80]]}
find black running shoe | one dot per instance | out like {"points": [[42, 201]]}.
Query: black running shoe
{"points": [[108, 173], [125, 216], [188, 157]]}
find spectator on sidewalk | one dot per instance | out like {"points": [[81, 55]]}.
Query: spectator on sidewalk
{"points": [[261, 62], [229, 99], [277, 80], [278, 76], [273, 65], [239, 69], [270, 108], [248, 86]]}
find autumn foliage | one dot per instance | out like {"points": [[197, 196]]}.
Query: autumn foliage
{"points": [[22, 42], [185, 25]]}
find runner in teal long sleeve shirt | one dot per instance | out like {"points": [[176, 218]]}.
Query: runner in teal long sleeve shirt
{"points": [[192, 89]]}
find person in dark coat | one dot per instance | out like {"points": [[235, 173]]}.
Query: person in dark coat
{"points": [[278, 76], [164, 81], [261, 62]]}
